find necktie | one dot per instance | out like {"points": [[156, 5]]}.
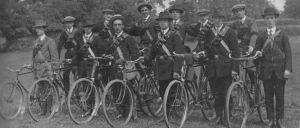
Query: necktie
{"points": [[270, 33]]}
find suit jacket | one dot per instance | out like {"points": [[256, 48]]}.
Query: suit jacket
{"points": [[97, 45], [127, 45], [247, 32], [139, 29], [68, 44], [274, 59], [164, 68], [222, 66], [198, 30], [182, 28], [48, 50], [100, 28]]}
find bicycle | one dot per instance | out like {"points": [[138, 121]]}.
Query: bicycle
{"points": [[44, 93], [85, 94], [12, 95], [182, 94], [242, 99], [121, 95]]}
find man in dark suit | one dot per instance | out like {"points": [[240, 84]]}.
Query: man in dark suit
{"points": [[90, 45], [219, 42], [69, 38], [145, 28], [275, 66], [105, 31], [167, 68]]}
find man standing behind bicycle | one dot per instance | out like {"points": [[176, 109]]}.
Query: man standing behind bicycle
{"points": [[69, 39], [90, 45], [275, 66], [167, 67], [219, 42], [45, 52]]}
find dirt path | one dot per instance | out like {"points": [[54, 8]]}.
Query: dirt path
{"points": [[16, 59]]}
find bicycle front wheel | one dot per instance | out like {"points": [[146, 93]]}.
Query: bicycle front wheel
{"points": [[42, 100], [82, 101], [11, 100], [175, 104], [117, 103], [152, 97], [207, 100], [236, 105]]}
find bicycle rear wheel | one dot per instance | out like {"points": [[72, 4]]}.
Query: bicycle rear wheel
{"points": [[82, 101], [236, 105], [175, 104], [191, 92], [152, 97], [207, 100], [11, 100], [42, 100], [118, 103], [260, 101]]}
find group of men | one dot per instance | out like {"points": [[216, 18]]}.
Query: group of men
{"points": [[166, 34]]}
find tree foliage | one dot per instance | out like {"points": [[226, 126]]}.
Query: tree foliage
{"points": [[292, 8]]}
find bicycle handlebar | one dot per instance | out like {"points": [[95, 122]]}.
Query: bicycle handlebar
{"points": [[257, 55], [99, 58], [202, 53], [19, 70]]}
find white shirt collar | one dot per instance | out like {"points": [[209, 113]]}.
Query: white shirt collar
{"points": [[273, 29], [42, 37], [243, 19], [119, 34], [219, 27], [147, 18], [176, 21], [165, 31], [89, 35], [106, 22], [205, 22], [71, 29]]}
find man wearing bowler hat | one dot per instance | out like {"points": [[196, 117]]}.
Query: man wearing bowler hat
{"points": [[167, 67], [45, 52], [219, 42], [145, 28], [103, 28], [90, 45], [275, 66], [69, 38]]}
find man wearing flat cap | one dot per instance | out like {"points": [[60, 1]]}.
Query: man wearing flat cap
{"points": [[45, 52], [69, 39], [219, 42], [123, 48], [145, 28], [90, 44], [275, 66], [105, 31], [167, 68]]}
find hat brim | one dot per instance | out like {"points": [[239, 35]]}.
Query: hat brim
{"points": [[202, 13], [180, 10], [233, 10], [145, 5], [38, 26], [89, 25], [169, 19], [264, 15], [65, 21], [111, 21]]}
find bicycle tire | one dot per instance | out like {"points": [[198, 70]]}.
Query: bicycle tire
{"points": [[191, 91], [78, 101], [179, 91], [207, 101], [118, 91], [236, 95], [43, 99], [153, 98], [259, 98], [8, 110]]}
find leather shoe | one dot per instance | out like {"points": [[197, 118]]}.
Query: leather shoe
{"points": [[271, 124], [88, 113], [279, 124]]}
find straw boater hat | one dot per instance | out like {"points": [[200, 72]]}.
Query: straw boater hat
{"points": [[238, 6], [164, 15], [144, 4], [109, 11], [40, 23], [202, 12], [270, 11], [68, 19], [116, 17], [176, 7]]}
